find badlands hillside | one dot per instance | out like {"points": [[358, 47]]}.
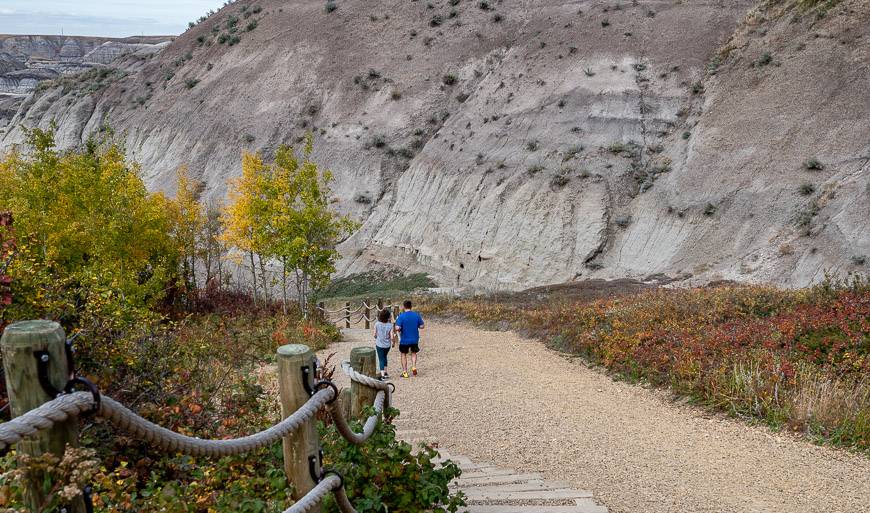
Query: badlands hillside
{"points": [[505, 144]]}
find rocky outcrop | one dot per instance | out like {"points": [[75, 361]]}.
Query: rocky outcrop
{"points": [[502, 145], [25, 61]]}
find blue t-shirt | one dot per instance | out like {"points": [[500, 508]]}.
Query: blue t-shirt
{"points": [[409, 324]]}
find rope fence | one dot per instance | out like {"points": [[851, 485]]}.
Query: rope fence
{"points": [[364, 312], [323, 395]]}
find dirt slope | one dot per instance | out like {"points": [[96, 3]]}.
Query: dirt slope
{"points": [[526, 143]]}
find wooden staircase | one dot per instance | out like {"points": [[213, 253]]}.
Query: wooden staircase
{"points": [[492, 489]]}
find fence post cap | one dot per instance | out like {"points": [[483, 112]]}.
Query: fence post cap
{"points": [[23, 333], [362, 350], [293, 349]]}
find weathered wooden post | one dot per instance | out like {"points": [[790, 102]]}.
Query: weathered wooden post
{"points": [[389, 305], [347, 314], [367, 311], [362, 359], [380, 305], [22, 343], [321, 310], [295, 373]]}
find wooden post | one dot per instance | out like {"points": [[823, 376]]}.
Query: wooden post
{"points": [[302, 444], [347, 314], [345, 400], [362, 359], [368, 312], [389, 305], [20, 340], [321, 311]]}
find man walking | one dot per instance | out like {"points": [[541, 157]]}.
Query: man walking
{"points": [[408, 324]]}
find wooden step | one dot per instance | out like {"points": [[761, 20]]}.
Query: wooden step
{"points": [[579, 508], [500, 479], [489, 473], [528, 486], [478, 494]]}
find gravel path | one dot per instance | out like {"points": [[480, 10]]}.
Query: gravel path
{"points": [[500, 398]]}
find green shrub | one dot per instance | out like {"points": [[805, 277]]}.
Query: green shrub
{"points": [[710, 209], [813, 164], [190, 83], [532, 145], [765, 59], [449, 79], [384, 474], [330, 6], [807, 188]]}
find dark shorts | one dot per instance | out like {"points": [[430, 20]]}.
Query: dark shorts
{"points": [[404, 348]]}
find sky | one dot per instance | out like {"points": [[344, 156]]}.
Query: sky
{"points": [[110, 18]]}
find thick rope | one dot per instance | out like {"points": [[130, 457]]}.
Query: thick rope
{"points": [[340, 310], [371, 423], [170, 441], [362, 379], [330, 483], [44, 417]]}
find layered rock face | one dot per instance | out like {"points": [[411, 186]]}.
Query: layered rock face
{"points": [[25, 61], [502, 145]]}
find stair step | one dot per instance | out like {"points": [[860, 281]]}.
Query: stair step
{"points": [[528, 486], [411, 433], [489, 473], [500, 479], [580, 508], [475, 494]]}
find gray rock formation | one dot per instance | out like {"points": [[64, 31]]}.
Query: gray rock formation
{"points": [[25, 61], [523, 144]]}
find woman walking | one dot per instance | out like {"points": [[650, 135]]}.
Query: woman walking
{"points": [[385, 338]]}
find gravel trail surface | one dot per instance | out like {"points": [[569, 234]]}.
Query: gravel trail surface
{"points": [[500, 398]]}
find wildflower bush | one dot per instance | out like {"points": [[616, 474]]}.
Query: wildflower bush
{"points": [[793, 359]]}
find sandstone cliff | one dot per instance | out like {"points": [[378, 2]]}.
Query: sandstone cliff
{"points": [[507, 144]]}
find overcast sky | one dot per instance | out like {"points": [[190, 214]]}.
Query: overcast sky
{"points": [[116, 18]]}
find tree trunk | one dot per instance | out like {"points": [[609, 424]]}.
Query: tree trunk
{"points": [[267, 295], [253, 276], [284, 285]]}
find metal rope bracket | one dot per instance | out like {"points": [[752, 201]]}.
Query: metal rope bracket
{"points": [[326, 383], [42, 361], [306, 379], [313, 463], [92, 388]]}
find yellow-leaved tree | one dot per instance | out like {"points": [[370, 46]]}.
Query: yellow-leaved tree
{"points": [[243, 216], [281, 212], [189, 223], [93, 246]]}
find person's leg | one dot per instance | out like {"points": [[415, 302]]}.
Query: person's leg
{"points": [[414, 359], [382, 359], [403, 350]]}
